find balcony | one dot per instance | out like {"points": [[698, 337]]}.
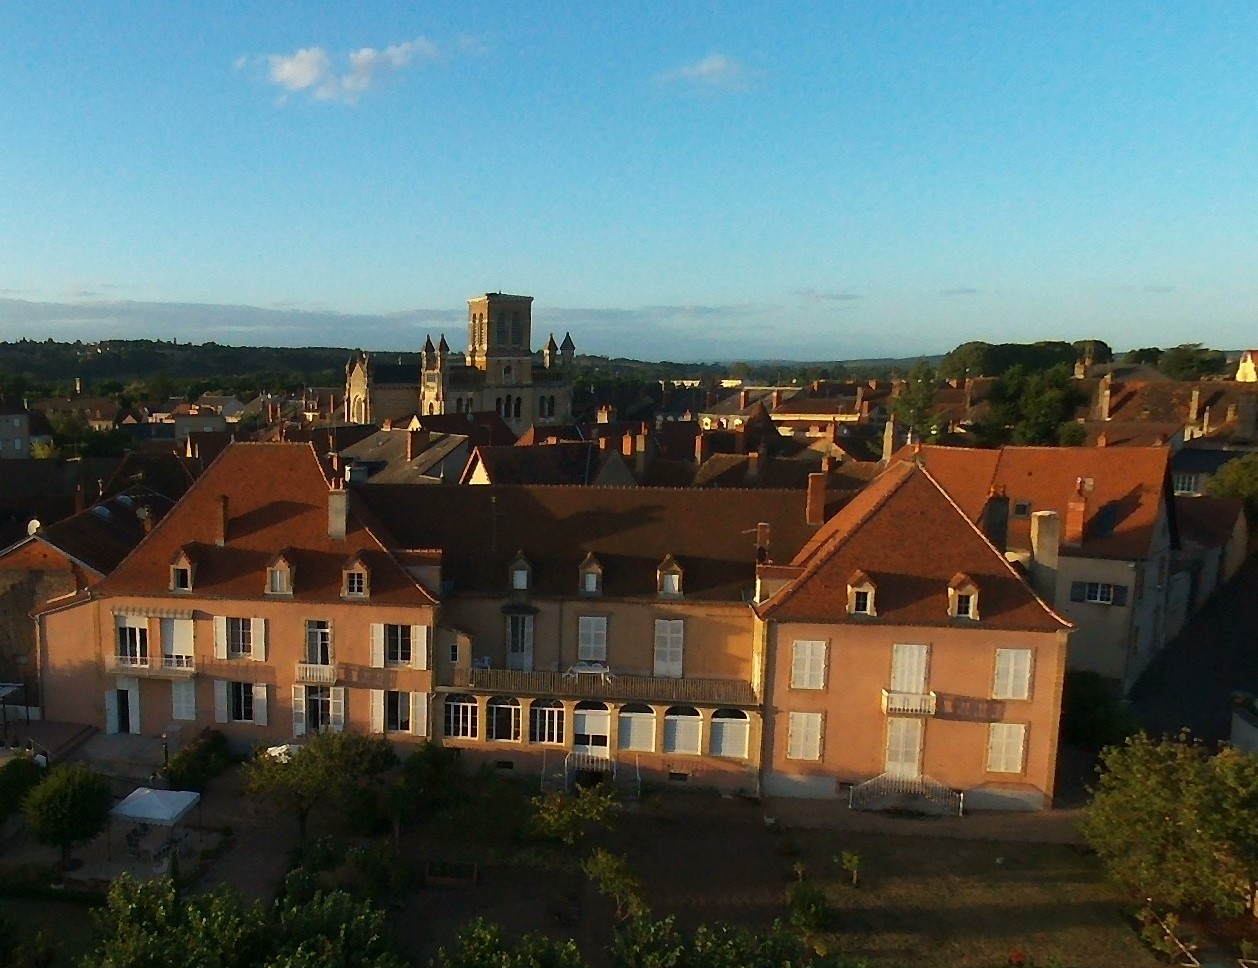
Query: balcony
{"points": [[315, 673], [153, 667], [606, 685], [908, 703]]}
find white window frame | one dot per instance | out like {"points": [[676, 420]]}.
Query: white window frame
{"points": [[592, 638], [239, 638], [805, 735], [730, 735], [183, 699], [1006, 747], [401, 650], [180, 578], [239, 701], [1098, 592], [636, 730], [683, 733], [318, 641], [355, 583], [670, 648], [513, 720], [520, 579], [1011, 678], [861, 600], [809, 663], [279, 580], [546, 724], [460, 719], [131, 641]]}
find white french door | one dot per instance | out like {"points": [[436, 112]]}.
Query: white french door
{"points": [[904, 747]]}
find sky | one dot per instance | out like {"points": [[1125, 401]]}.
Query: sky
{"points": [[684, 181]]}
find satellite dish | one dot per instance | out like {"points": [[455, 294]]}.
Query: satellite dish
{"points": [[33, 526], [141, 512]]}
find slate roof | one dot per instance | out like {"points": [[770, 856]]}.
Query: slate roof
{"points": [[484, 427], [630, 530], [1124, 489], [264, 520], [911, 540]]}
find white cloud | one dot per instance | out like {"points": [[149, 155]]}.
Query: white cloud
{"points": [[716, 71], [312, 70]]}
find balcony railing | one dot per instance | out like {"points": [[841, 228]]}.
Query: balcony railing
{"points": [[908, 703], [583, 685], [153, 666], [316, 673]]}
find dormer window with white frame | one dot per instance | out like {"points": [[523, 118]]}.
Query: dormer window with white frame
{"points": [[279, 576], [521, 573], [181, 573], [668, 578], [963, 598], [860, 595], [590, 576], [355, 579]]}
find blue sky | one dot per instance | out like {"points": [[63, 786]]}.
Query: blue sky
{"points": [[669, 180]]}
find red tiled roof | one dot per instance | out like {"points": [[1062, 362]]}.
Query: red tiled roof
{"points": [[908, 536], [277, 500]]}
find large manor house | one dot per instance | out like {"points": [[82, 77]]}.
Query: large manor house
{"points": [[499, 372]]}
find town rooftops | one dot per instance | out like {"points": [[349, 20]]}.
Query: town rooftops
{"points": [[907, 542]]}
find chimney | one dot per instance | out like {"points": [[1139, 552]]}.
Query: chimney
{"points": [[753, 467], [888, 439], [78, 386], [79, 500], [762, 542], [860, 397], [744, 399], [626, 445], [1103, 398], [220, 538], [1045, 547], [1102, 440], [827, 464], [641, 454], [1194, 405], [604, 443], [338, 513], [146, 519], [702, 445], [815, 507], [606, 414], [1076, 517], [995, 520], [1205, 421], [777, 399], [1231, 413], [416, 441]]}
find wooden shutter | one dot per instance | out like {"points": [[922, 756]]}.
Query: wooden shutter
{"points": [[419, 712], [220, 701], [183, 696], [669, 644], [377, 710], [111, 711], [259, 704], [1078, 591], [908, 668], [1006, 744], [1120, 595], [257, 639], [299, 710], [336, 712], [220, 636], [377, 646], [419, 646]]}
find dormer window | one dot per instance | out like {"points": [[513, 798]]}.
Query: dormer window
{"points": [[668, 577], [279, 577], [590, 576], [181, 573], [963, 597], [860, 595], [354, 579], [521, 574]]}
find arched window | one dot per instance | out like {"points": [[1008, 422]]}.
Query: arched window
{"points": [[517, 332], [506, 406], [498, 405], [461, 717], [683, 730], [637, 728], [500, 330], [591, 726], [517, 406], [432, 408], [730, 731], [503, 719], [546, 721]]}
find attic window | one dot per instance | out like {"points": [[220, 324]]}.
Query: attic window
{"points": [[668, 577], [860, 595], [354, 580], [590, 576], [963, 597], [181, 573], [279, 578], [521, 574]]}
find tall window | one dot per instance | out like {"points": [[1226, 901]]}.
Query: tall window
{"points": [[502, 717], [240, 702], [808, 664], [397, 645], [1006, 744], [803, 737], [318, 641], [461, 717], [546, 721], [239, 638], [278, 581], [683, 730], [1013, 674], [669, 636], [730, 731], [397, 712], [133, 641], [637, 728], [592, 638]]}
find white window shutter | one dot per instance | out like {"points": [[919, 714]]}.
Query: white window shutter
{"points": [[419, 646], [259, 704], [299, 710], [220, 701], [111, 711], [183, 695], [377, 710], [220, 636], [257, 639], [377, 645], [336, 715], [419, 713]]}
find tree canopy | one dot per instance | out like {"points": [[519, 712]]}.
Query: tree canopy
{"points": [[978, 358], [1191, 361], [1032, 408], [69, 807], [1238, 478]]}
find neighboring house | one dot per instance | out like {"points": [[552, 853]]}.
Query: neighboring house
{"points": [[1094, 528], [1214, 542], [229, 405], [901, 677], [406, 457], [189, 418], [1194, 465], [101, 413], [15, 433], [264, 611]]}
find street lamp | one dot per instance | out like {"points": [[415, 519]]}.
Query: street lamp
{"points": [[165, 752]]}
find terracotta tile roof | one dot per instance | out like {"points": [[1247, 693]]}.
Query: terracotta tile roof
{"points": [[911, 540], [277, 499], [711, 533], [1124, 489], [1208, 521], [751, 470], [1134, 433], [563, 463], [103, 535]]}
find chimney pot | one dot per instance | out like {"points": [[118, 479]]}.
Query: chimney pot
{"points": [[762, 542], [815, 506], [220, 539], [338, 513]]}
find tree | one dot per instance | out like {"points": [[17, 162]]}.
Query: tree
{"points": [[481, 945], [1031, 408], [69, 807], [18, 778], [1238, 478], [1173, 823], [1149, 355], [1093, 351], [617, 881], [1191, 361], [912, 405], [565, 818], [330, 766]]}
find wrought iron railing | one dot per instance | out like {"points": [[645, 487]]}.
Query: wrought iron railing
{"points": [[908, 703], [920, 794], [732, 692]]}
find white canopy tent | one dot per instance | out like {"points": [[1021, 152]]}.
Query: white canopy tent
{"points": [[165, 808]]}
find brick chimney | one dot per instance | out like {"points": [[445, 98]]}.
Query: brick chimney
{"points": [[642, 454], [762, 542], [1045, 551], [777, 399], [753, 467], [220, 536], [702, 447], [338, 513], [1103, 397], [1076, 517], [606, 414], [626, 445], [1102, 440], [995, 520], [1194, 405], [744, 399], [889, 433], [416, 441], [815, 506]]}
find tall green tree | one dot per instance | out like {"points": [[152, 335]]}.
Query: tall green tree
{"points": [[70, 807], [1238, 478], [912, 405], [1191, 361], [1030, 408]]}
